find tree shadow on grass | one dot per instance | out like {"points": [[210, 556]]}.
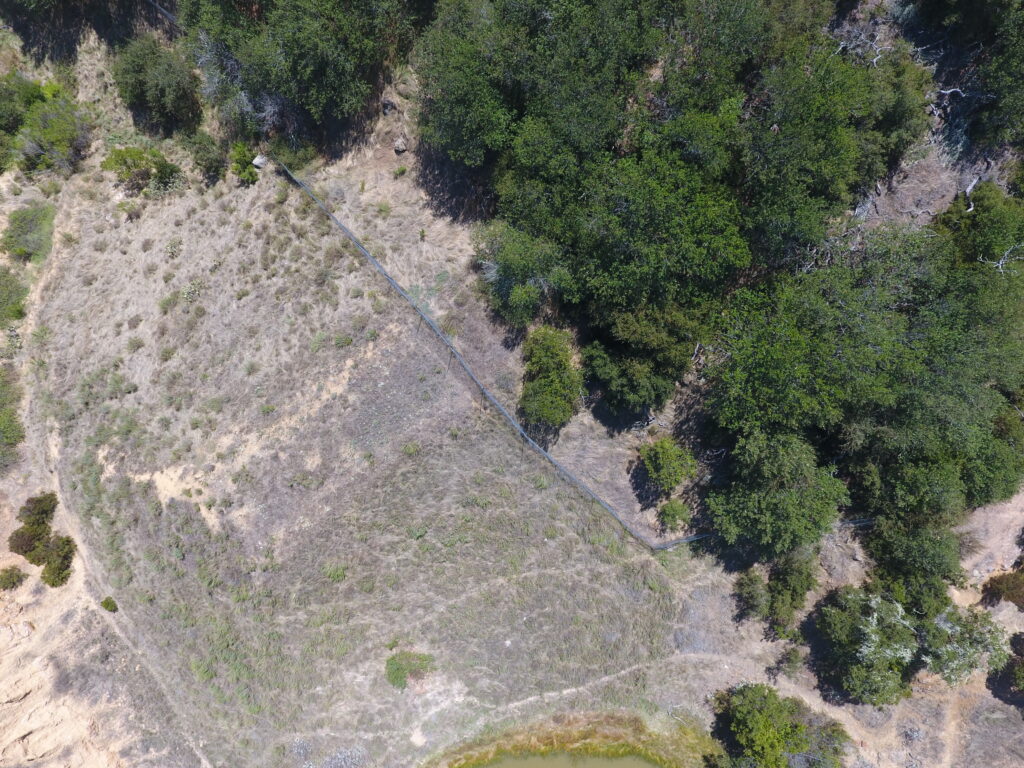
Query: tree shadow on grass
{"points": [[453, 190], [56, 33], [644, 488]]}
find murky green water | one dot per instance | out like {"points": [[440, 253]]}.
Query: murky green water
{"points": [[562, 760]]}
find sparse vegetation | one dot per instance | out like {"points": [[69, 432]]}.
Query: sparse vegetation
{"points": [[109, 604]]}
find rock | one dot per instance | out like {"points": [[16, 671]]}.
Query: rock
{"points": [[260, 160], [400, 145]]}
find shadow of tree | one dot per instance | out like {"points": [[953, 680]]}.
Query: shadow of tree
{"points": [[56, 33], [453, 190]]}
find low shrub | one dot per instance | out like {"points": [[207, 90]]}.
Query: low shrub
{"points": [[29, 233], [138, 169], [207, 154], [241, 164], [27, 540], [553, 381], [792, 577], [405, 665], [60, 551], [109, 604], [38, 510], [11, 577], [158, 83], [1006, 586], [674, 514], [667, 463]]}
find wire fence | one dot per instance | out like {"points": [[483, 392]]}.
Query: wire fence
{"points": [[487, 394], [457, 356]]}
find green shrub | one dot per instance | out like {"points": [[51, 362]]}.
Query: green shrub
{"points": [[159, 84], [751, 592], [26, 540], [872, 644], [138, 169], [60, 551], [54, 136], [17, 94], [241, 164], [1006, 586], [11, 577], [38, 510], [29, 233], [667, 463], [792, 577], [109, 604], [553, 381], [768, 731], [207, 154], [405, 665], [674, 514]]}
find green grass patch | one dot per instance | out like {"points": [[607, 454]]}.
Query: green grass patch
{"points": [[405, 665], [29, 233]]}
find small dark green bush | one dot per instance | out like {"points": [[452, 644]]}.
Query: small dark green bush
{"points": [[207, 154], [674, 514], [11, 578], [792, 577], [109, 604], [402, 666], [553, 381], [158, 84], [138, 169], [38, 510], [667, 464], [27, 540], [241, 164], [29, 233], [60, 551]]}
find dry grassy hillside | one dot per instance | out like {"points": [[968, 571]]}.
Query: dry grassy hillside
{"points": [[268, 463]]}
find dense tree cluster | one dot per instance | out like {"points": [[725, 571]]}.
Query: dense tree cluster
{"points": [[996, 30], [643, 154], [876, 646]]}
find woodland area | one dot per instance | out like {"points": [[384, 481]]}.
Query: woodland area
{"points": [[672, 176]]}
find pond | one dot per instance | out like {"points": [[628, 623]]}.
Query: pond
{"points": [[564, 760]]}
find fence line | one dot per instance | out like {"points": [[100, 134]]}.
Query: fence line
{"points": [[488, 395], [512, 421]]}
